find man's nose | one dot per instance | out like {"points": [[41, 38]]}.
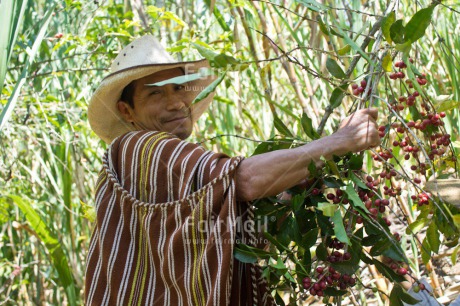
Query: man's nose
{"points": [[175, 101]]}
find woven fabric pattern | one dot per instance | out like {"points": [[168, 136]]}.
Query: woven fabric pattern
{"points": [[166, 226]]}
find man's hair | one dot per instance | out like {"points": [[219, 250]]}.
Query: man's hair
{"points": [[128, 92]]}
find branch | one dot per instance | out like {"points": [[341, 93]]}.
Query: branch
{"points": [[348, 73]]}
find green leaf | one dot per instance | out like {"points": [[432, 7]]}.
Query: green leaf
{"points": [[279, 266], [332, 182], [386, 24], [272, 144], [203, 73], [433, 237], [426, 251], [334, 69], [357, 181], [11, 16], [397, 31], [447, 105], [218, 15], [322, 25], [344, 50], [307, 127], [388, 248], [416, 27], [51, 242], [275, 242], [404, 47], [321, 252], [30, 58], [351, 42], [337, 96], [354, 197], [217, 60], [399, 295], [309, 239], [312, 169], [281, 127], [244, 256], [387, 63], [246, 252], [327, 208], [388, 272], [297, 202], [339, 229], [209, 89], [454, 255], [356, 162], [416, 226], [313, 5]]}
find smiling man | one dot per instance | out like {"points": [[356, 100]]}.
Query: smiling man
{"points": [[158, 108], [168, 211]]}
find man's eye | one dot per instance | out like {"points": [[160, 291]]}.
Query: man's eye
{"points": [[180, 87], [155, 92]]}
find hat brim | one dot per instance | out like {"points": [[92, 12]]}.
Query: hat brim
{"points": [[103, 115]]}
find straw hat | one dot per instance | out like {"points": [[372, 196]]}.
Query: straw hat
{"points": [[142, 57]]}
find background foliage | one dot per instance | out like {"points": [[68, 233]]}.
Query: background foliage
{"points": [[54, 53]]}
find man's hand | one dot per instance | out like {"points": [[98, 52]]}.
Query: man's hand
{"points": [[357, 132]]}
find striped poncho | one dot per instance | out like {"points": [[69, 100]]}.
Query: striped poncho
{"points": [[166, 225]]}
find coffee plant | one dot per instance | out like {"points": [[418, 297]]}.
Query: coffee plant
{"points": [[342, 219]]}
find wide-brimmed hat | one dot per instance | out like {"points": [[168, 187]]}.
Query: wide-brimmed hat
{"points": [[143, 57]]}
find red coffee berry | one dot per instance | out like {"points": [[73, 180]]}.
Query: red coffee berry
{"points": [[401, 271], [323, 284]]}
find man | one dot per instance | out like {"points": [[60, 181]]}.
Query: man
{"points": [[167, 209]]}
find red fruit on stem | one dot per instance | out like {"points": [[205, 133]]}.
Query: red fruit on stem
{"points": [[402, 271]]}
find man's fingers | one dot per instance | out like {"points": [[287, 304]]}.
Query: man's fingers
{"points": [[373, 112]]}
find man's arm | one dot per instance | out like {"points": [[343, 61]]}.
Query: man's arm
{"points": [[270, 173]]}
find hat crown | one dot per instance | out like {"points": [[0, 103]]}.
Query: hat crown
{"points": [[143, 51]]}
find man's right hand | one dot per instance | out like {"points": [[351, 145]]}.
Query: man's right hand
{"points": [[357, 132]]}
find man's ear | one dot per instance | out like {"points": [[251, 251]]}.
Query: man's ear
{"points": [[125, 110]]}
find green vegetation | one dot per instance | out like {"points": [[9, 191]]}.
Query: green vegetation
{"points": [[287, 71]]}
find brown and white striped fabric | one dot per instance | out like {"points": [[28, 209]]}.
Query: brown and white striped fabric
{"points": [[166, 226]]}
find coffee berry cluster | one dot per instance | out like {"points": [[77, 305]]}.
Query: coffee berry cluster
{"points": [[326, 276]]}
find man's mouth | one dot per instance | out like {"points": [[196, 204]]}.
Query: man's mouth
{"points": [[177, 119]]}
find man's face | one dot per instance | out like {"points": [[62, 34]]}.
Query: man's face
{"points": [[161, 108]]}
